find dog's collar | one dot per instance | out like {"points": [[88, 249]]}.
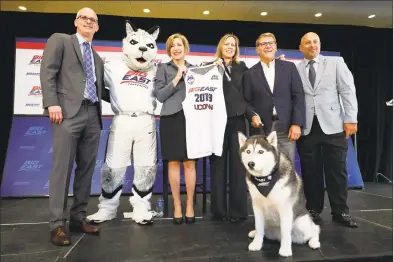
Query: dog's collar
{"points": [[265, 184]]}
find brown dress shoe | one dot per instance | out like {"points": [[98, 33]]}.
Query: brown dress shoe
{"points": [[83, 227], [59, 236]]}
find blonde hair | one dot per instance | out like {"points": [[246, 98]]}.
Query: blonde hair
{"points": [[265, 35], [221, 43], [171, 39]]}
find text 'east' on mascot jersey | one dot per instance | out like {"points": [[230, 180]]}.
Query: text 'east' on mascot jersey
{"points": [[131, 91], [205, 111]]}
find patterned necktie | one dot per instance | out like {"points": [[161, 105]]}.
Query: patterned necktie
{"points": [[312, 73], [90, 90]]}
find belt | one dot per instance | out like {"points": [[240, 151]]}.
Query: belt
{"points": [[87, 102], [133, 114], [275, 118]]}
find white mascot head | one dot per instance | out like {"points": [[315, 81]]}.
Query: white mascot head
{"points": [[139, 47]]}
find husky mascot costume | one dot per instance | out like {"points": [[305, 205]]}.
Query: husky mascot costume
{"points": [[133, 128]]}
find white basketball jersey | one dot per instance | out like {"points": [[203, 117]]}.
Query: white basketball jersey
{"points": [[131, 91], [205, 111]]}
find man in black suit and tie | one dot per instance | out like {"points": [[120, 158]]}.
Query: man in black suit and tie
{"points": [[72, 81], [274, 89]]}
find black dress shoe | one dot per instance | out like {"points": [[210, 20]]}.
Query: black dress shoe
{"points": [[236, 220], [177, 220], [344, 219], [315, 217], [190, 220], [219, 218]]}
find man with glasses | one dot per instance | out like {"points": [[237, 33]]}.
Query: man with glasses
{"points": [[72, 81], [274, 89]]}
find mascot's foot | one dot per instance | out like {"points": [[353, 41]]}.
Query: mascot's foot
{"points": [[144, 222], [101, 216], [141, 209]]}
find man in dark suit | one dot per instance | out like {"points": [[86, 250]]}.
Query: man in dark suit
{"points": [[72, 84], [274, 89]]}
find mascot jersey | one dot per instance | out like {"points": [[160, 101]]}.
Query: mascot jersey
{"points": [[205, 111], [131, 91]]}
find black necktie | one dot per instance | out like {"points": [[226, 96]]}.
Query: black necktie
{"points": [[312, 73]]}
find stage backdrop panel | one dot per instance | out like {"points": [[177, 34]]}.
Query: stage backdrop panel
{"points": [[29, 153]]}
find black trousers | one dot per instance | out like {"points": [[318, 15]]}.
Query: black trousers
{"points": [[324, 153], [237, 207]]}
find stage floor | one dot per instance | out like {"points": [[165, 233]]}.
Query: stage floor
{"points": [[25, 235]]}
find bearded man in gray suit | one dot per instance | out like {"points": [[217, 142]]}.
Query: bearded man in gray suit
{"points": [[72, 85], [323, 143]]}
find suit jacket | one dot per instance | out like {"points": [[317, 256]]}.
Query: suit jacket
{"points": [[233, 92], [334, 81], [288, 95], [165, 91], [63, 77]]}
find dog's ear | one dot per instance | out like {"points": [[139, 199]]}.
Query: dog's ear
{"points": [[154, 32], [273, 139], [241, 139]]}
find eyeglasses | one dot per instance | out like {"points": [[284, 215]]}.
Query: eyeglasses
{"points": [[264, 44], [85, 18]]}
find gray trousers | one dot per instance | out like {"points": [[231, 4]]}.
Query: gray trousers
{"points": [[76, 139], [285, 145]]}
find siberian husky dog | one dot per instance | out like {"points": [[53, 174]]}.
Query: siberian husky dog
{"points": [[277, 196]]}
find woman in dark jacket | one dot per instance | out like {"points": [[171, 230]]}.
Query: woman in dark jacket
{"points": [[237, 109]]}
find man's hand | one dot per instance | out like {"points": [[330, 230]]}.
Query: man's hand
{"points": [[256, 121], [294, 132], [281, 57], [350, 129], [55, 114]]}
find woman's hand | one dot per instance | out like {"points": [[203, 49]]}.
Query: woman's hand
{"points": [[181, 72], [219, 62]]}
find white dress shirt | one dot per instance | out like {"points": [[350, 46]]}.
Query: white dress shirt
{"points": [[269, 73]]}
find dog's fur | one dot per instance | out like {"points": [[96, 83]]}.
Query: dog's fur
{"points": [[281, 214]]}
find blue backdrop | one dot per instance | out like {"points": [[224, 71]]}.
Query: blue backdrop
{"points": [[29, 161]]}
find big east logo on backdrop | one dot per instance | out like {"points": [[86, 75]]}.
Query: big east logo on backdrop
{"points": [[36, 60], [29, 153]]}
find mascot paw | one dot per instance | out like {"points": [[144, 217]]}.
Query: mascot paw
{"points": [[101, 216], [146, 222], [140, 219], [141, 211]]}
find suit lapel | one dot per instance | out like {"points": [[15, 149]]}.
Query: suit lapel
{"points": [[77, 48], [320, 70], [278, 73], [261, 75], [302, 70]]}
